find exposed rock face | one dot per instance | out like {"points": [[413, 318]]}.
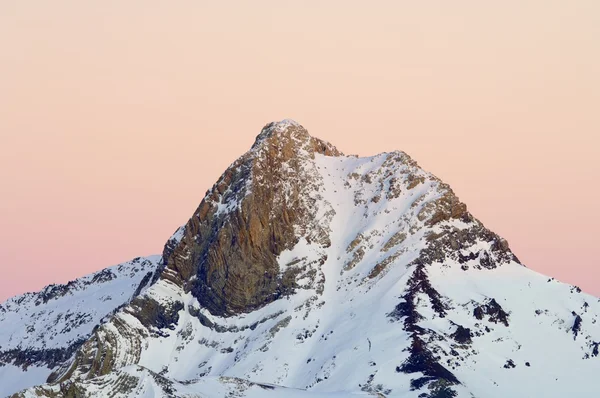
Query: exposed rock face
{"points": [[260, 207], [50, 357], [494, 312]]}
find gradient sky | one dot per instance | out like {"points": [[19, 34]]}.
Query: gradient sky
{"points": [[117, 116]]}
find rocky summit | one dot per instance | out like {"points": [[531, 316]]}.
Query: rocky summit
{"points": [[304, 272]]}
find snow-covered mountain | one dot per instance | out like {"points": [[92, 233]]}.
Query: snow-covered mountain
{"points": [[305, 272], [40, 331]]}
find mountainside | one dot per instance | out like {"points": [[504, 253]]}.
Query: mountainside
{"points": [[39, 331], [306, 272]]}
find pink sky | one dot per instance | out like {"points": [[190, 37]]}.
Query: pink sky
{"points": [[116, 117]]}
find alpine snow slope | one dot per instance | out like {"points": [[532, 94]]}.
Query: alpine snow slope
{"points": [[304, 272]]}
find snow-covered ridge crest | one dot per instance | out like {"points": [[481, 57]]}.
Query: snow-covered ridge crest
{"points": [[336, 276], [59, 301]]}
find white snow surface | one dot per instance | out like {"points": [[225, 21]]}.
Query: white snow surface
{"points": [[341, 341]]}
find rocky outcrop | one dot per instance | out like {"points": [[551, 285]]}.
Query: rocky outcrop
{"points": [[260, 207], [494, 312], [421, 359], [51, 357]]}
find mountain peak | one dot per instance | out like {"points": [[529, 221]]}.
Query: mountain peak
{"points": [[291, 137], [283, 124], [285, 127]]}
